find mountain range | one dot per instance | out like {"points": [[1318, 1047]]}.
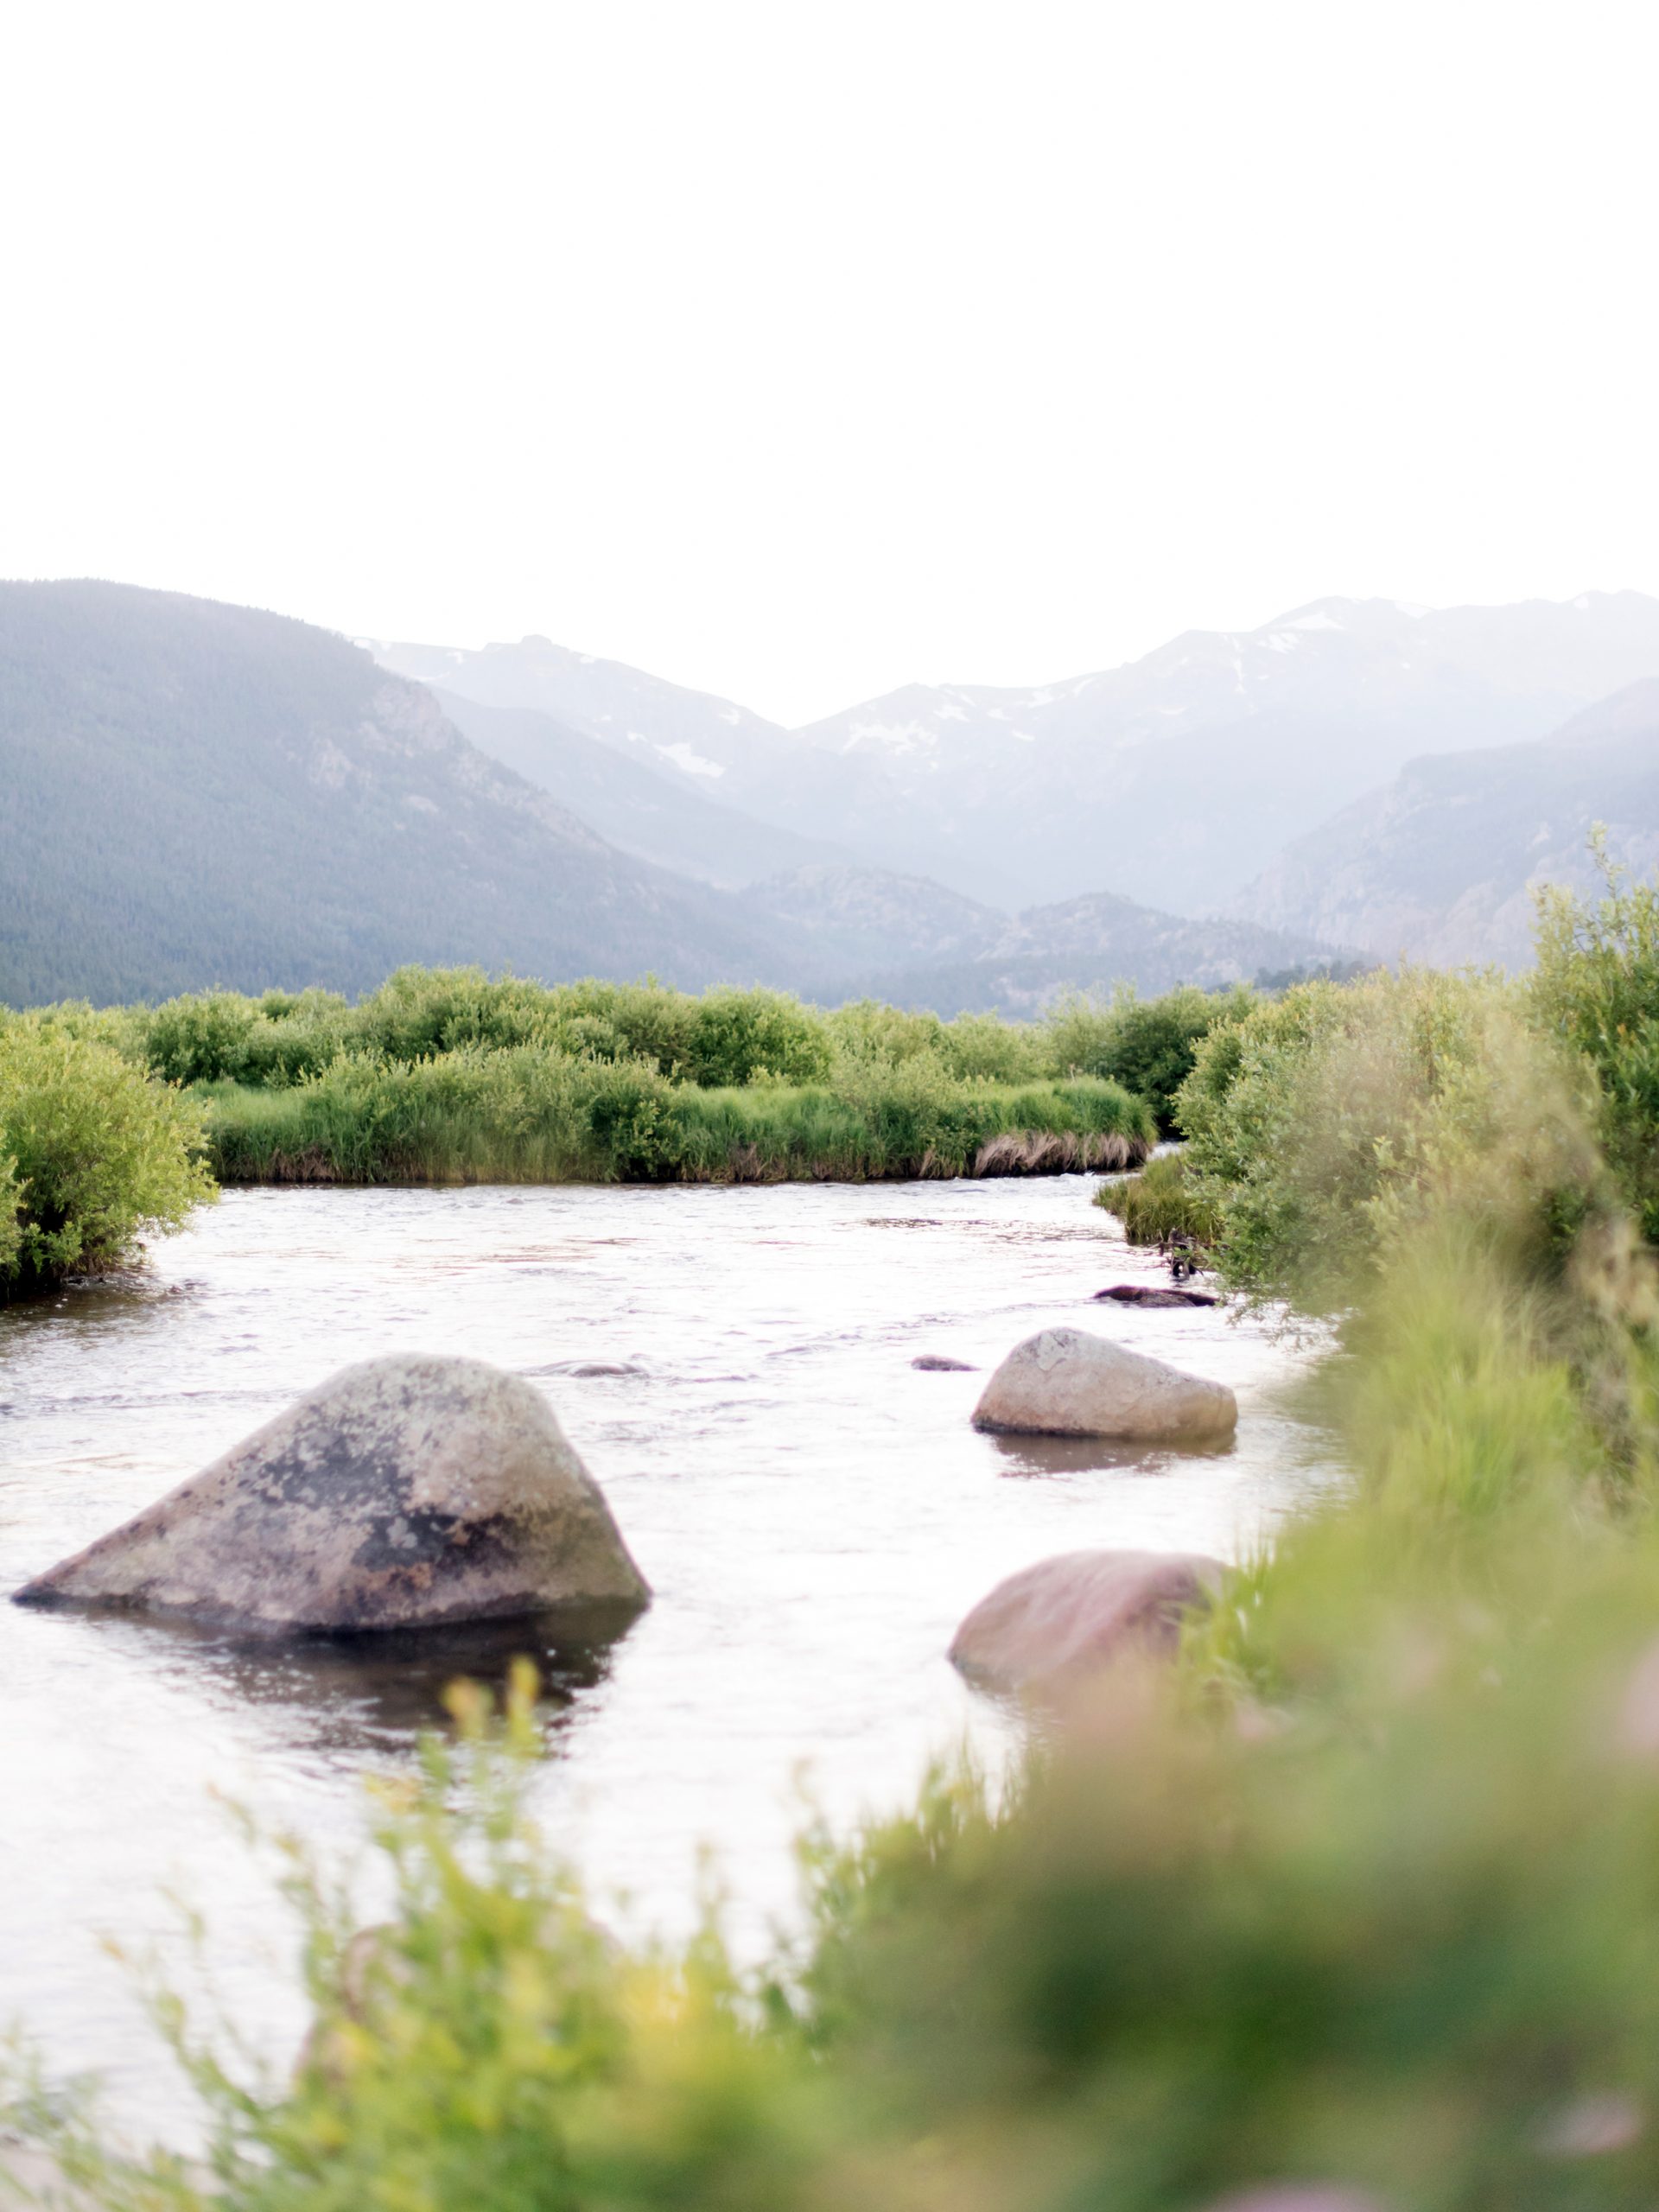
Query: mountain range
{"points": [[198, 794], [1175, 780]]}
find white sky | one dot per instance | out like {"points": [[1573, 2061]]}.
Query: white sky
{"points": [[798, 351]]}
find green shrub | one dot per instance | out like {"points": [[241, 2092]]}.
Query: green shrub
{"points": [[1596, 988], [740, 1037], [1325, 1118], [1079, 1032], [623, 1022], [1158, 1203], [95, 1153], [419, 1012], [222, 1036], [981, 1048], [866, 1030], [518, 1115], [201, 1038], [1147, 1045]]}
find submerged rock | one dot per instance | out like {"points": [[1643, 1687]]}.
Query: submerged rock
{"points": [[1146, 1294], [1053, 1622], [1066, 1382], [401, 1493], [938, 1362]]}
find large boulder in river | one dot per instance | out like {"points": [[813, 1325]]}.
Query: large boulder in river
{"points": [[1065, 1618], [1066, 1382], [401, 1493]]}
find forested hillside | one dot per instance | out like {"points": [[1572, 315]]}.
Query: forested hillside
{"points": [[198, 793]]}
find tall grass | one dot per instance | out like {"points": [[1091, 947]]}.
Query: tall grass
{"points": [[1159, 1204], [528, 1114]]}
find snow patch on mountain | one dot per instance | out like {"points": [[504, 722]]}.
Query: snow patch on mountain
{"points": [[687, 757], [1312, 617]]}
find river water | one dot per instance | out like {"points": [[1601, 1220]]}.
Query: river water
{"points": [[814, 1514]]}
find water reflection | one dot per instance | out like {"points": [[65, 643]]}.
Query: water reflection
{"points": [[366, 1694], [1082, 1455]]}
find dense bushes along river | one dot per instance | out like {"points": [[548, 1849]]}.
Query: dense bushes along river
{"points": [[1358, 1905], [114, 1121]]}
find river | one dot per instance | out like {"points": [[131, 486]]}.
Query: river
{"points": [[815, 1515]]}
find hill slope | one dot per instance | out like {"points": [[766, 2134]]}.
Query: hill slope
{"points": [[1440, 864], [1092, 945], [198, 793], [641, 808], [921, 946]]}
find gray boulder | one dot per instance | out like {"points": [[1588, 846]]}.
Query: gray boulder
{"points": [[1065, 1617], [401, 1493], [1066, 1382]]}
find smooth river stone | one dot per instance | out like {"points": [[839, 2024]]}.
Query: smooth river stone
{"points": [[1067, 1616], [1066, 1382], [402, 1493]]}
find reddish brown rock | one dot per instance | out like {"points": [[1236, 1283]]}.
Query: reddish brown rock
{"points": [[1052, 1625]]}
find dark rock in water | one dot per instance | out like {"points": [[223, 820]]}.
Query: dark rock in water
{"points": [[401, 1493], [936, 1362], [1146, 1294], [1067, 1616]]}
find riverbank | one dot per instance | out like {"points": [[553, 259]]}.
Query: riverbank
{"points": [[451, 1077]]}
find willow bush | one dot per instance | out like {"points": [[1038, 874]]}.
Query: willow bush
{"points": [[1316, 1118], [1596, 989], [94, 1155]]}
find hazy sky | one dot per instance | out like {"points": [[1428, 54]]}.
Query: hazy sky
{"points": [[798, 351]]}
